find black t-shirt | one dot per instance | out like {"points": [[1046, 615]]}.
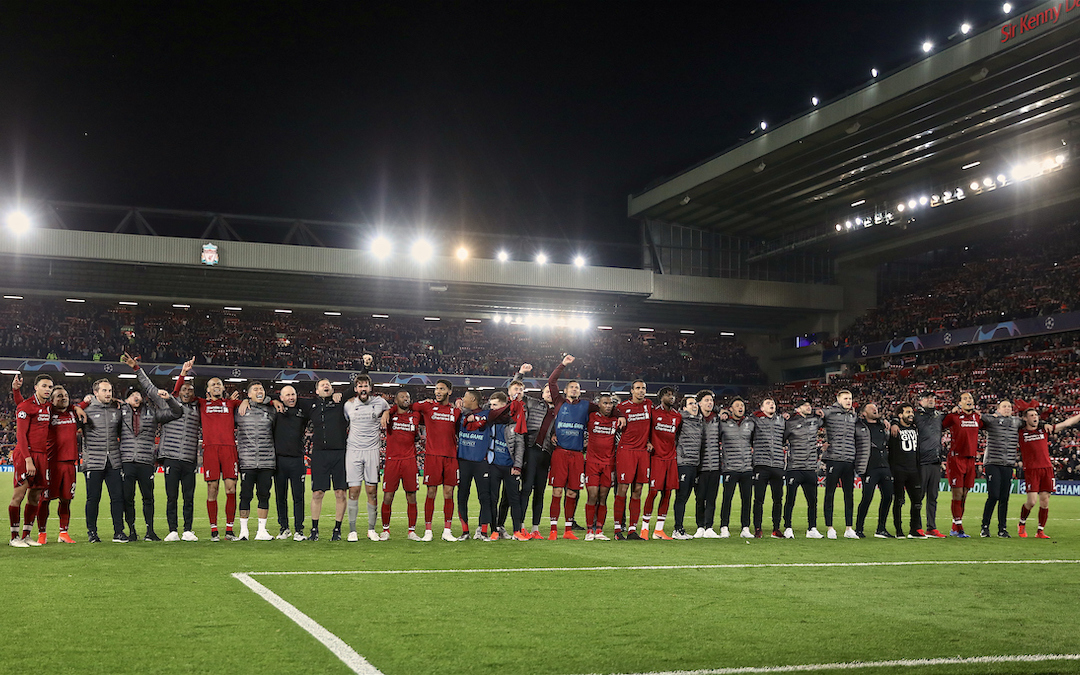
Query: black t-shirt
{"points": [[289, 431], [904, 448]]}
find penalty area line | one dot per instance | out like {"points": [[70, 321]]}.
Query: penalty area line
{"points": [[857, 665], [616, 568], [358, 664]]}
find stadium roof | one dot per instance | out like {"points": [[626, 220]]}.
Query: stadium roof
{"points": [[991, 101]]}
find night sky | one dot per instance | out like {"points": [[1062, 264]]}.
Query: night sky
{"points": [[512, 116]]}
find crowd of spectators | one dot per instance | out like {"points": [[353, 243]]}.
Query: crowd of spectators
{"points": [[1022, 275], [159, 333]]}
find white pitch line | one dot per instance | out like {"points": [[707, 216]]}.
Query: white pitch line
{"points": [[613, 568], [857, 665], [358, 664]]}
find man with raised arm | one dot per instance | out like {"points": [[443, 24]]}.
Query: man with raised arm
{"points": [[1038, 470], [904, 467], [872, 463], [599, 466], [328, 439], [365, 415], [220, 461], [663, 469], [30, 460], [964, 423]]}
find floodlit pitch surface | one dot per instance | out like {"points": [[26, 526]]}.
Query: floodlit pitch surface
{"points": [[703, 605]]}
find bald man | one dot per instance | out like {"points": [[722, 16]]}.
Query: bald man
{"points": [[289, 429]]}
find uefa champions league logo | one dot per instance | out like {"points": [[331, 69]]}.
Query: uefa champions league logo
{"points": [[209, 254]]}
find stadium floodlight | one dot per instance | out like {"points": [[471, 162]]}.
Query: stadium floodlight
{"points": [[283, 311], [974, 185], [814, 100], [472, 320], [900, 207], [1001, 178], [763, 125], [432, 318], [873, 72], [551, 321], [646, 330], [971, 165], [497, 318], [530, 320], [724, 333], [1059, 159], [965, 28], [129, 303], [579, 261], [13, 297], [422, 250], [332, 313], [686, 332], [988, 181], [848, 224], [18, 222], [1007, 8], [541, 258], [858, 203], [176, 305], [911, 203], [503, 256], [231, 309], [81, 300], [462, 253], [959, 193], [839, 227], [923, 200], [603, 328], [927, 46], [858, 221], [381, 247]]}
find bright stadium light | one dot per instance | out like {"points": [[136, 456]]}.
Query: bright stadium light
{"points": [[923, 200], [965, 28], [497, 318], [839, 227], [974, 185], [858, 221], [1059, 159], [859, 202], [18, 222], [503, 256], [129, 303], [381, 247], [579, 261], [972, 165], [763, 125], [331, 313], [422, 250], [911, 203], [873, 72], [988, 181], [1007, 8], [900, 207], [541, 258], [462, 253], [814, 100], [927, 46]]}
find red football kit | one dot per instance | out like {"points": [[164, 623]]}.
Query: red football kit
{"points": [[1035, 453], [663, 473], [32, 424], [440, 449], [960, 464], [600, 451], [64, 454], [400, 468], [632, 454]]}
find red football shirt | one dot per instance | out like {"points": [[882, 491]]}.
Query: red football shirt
{"points": [[665, 426], [63, 436], [965, 433], [32, 427], [440, 420], [401, 433], [635, 436], [218, 420], [600, 447], [1034, 449]]}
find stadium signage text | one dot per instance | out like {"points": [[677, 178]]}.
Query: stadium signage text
{"points": [[1032, 21]]}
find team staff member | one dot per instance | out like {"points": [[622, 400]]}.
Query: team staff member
{"points": [[290, 472], [30, 459], [255, 448], [872, 463], [534, 470], [687, 459], [440, 419], [1002, 439], [599, 466], [632, 457], [220, 463], [964, 423], [663, 469], [178, 452], [327, 453], [768, 445], [931, 458], [1038, 471], [365, 415], [904, 467], [402, 430], [736, 442], [138, 447], [801, 436], [504, 463], [568, 456], [708, 478], [474, 442], [101, 461], [839, 456]]}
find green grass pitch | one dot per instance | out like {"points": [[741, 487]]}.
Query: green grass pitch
{"points": [[176, 608]]}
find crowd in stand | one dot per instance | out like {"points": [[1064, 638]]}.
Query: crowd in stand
{"points": [[98, 330], [999, 279]]}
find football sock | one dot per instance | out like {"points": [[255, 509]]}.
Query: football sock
{"points": [[354, 511], [569, 506], [448, 512], [230, 510], [1043, 513], [42, 515], [429, 512], [211, 511], [385, 516], [64, 511], [372, 515], [412, 516]]}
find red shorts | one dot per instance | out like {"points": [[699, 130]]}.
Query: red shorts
{"points": [[439, 470], [663, 474], [61, 480], [1039, 480], [567, 469], [632, 466], [599, 474], [401, 471], [960, 471], [40, 479], [220, 461]]}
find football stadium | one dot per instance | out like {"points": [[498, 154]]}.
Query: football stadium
{"points": [[818, 410]]}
